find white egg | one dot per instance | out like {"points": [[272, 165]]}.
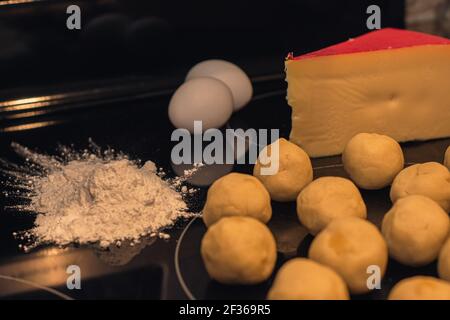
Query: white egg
{"points": [[233, 76], [202, 99]]}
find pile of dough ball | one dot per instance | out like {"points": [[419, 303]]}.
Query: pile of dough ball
{"points": [[372, 160], [327, 199], [212, 91], [304, 279], [351, 246], [294, 170], [239, 250], [415, 230]]}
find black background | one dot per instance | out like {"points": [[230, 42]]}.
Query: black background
{"points": [[158, 40]]}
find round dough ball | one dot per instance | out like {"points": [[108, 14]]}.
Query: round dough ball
{"points": [[233, 76], [239, 250], [415, 230], [429, 179], [447, 158], [327, 199], [294, 171], [202, 99], [349, 246], [237, 194], [420, 288], [304, 279], [372, 160], [444, 261]]}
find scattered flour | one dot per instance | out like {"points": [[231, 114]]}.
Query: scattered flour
{"points": [[94, 198]]}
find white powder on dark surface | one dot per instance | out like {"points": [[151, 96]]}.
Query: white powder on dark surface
{"points": [[97, 198]]}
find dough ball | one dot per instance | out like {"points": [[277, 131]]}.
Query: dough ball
{"points": [[304, 279], [444, 261], [429, 179], [415, 230], [372, 160], [447, 158], [326, 199], [349, 246], [239, 250], [420, 288], [237, 194], [294, 171]]}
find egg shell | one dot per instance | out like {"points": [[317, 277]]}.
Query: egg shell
{"points": [[233, 76], [201, 99]]}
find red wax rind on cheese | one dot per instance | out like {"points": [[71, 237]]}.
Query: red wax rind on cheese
{"points": [[383, 39]]}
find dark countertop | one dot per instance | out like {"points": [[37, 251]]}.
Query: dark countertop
{"points": [[139, 127]]}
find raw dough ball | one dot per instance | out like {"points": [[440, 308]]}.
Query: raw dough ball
{"points": [[349, 246], [202, 99], [447, 158], [444, 261], [233, 76], [372, 160], [415, 230], [304, 279], [294, 171], [239, 250], [429, 179], [420, 288], [326, 199], [237, 194]]}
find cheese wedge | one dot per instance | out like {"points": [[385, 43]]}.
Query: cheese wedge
{"points": [[392, 82]]}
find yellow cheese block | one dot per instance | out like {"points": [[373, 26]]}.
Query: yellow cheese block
{"points": [[403, 93]]}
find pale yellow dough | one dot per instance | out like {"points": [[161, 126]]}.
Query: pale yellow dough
{"points": [[444, 261], [429, 179], [304, 279], [350, 246], [239, 250], [447, 158], [294, 171], [372, 160], [415, 230], [420, 288], [326, 199], [237, 194]]}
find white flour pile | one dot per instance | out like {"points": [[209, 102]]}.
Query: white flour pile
{"points": [[93, 198]]}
